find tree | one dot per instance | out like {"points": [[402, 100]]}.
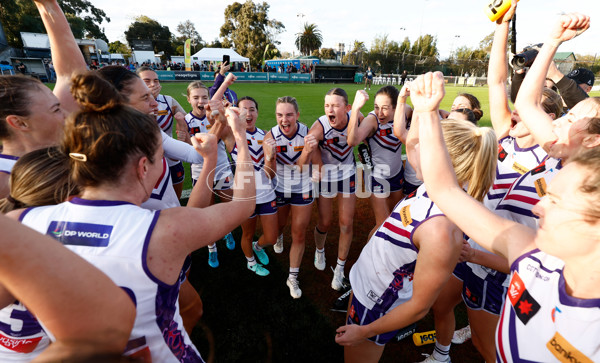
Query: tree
{"points": [[310, 39], [356, 55], [328, 53], [248, 29], [121, 48], [22, 16], [144, 28], [188, 31]]}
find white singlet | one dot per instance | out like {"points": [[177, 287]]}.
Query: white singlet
{"points": [[114, 236]]}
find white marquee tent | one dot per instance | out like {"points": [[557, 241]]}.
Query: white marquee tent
{"points": [[216, 55]]}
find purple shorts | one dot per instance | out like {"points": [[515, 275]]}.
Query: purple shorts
{"points": [[264, 209], [177, 173], [483, 294], [284, 199], [331, 189], [393, 184], [360, 315]]}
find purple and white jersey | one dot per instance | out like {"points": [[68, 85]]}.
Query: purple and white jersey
{"points": [[163, 195], [22, 338], [165, 114], [114, 237], [7, 162], [291, 178], [264, 187], [337, 155], [223, 168], [382, 276], [386, 150], [526, 192], [540, 321], [513, 162]]}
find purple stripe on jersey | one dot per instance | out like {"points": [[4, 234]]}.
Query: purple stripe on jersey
{"points": [[98, 203], [412, 233], [568, 300], [516, 210], [162, 191], [515, 264], [145, 253], [537, 260], [395, 242], [512, 337], [9, 157], [293, 136], [287, 158], [22, 216]]}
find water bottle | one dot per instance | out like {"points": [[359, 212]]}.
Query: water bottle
{"points": [[427, 337], [496, 8]]}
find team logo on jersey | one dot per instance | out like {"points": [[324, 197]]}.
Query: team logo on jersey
{"points": [[259, 141], [519, 168], [385, 132], [282, 149], [524, 305], [405, 215], [80, 234], [502, 154], [19, 345], [554, 311], [298, 148], [335, 140], [564, 351], [540, 187], [412, 194], [194, 130], [162, 112], [539, 169]]}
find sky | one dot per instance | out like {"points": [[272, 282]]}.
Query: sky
{"points": [[454, 23]]}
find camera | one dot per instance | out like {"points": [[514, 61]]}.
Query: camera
{"points": [[525, 58]]}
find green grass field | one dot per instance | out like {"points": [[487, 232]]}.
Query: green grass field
{"points": [[311, 98]]}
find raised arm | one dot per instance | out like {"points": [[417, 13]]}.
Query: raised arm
{"points": [[220, 92], [206, 145], [179, 150], [84, 310], [66, 56], [500, 112], [529, 98], [494, 233], [400, 117], [357, 130], [270, 150], [569, 90]]}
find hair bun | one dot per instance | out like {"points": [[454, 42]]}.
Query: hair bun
{"points": [[93, 93]]}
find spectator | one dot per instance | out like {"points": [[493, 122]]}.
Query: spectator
{"points": [[21, 67], [229, 95]]}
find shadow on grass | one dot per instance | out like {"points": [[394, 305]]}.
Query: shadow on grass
{"points": [[254, 319]]}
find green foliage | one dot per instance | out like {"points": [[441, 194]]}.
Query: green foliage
{"points": [[327, 53], [188, 31], [309, 39], [19, 16], [145, 28], [248, 29], [118, 47]]}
